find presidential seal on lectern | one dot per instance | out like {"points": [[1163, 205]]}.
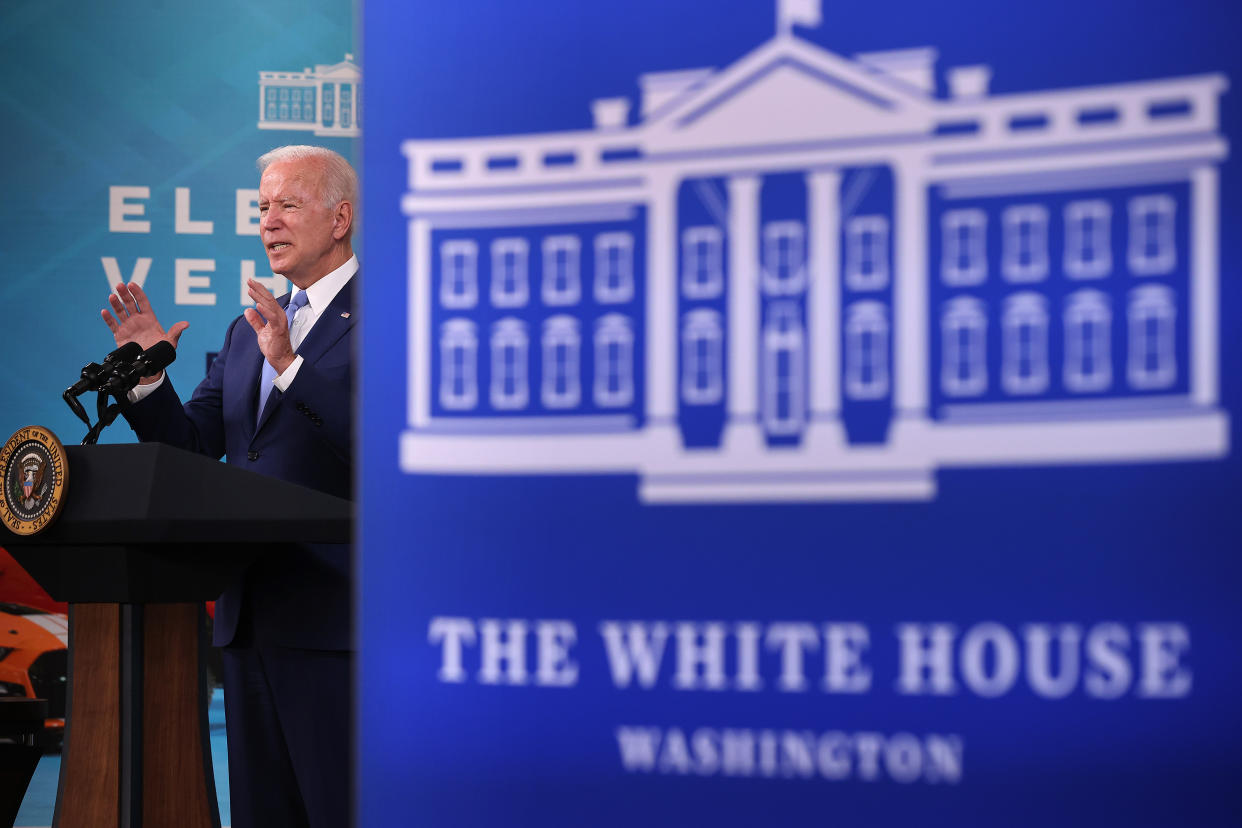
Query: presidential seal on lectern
{"points": [[35, 476]]}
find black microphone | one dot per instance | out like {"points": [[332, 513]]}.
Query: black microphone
{"points": [[94, 374], [151, 361]]}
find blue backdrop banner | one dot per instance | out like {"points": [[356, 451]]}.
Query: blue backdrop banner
{"points": [[782, 411], [132, 131]]}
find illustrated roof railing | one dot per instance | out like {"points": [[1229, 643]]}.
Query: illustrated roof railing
{"points": [[1162, 107], [1176, 105], [553, 156]]}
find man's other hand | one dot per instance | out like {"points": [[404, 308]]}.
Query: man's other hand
{"points": [[133, 320], [270, 326]]}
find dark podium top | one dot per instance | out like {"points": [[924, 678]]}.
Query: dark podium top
{"points": [[148, 523]]}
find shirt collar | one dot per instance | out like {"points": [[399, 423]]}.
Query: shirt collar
{"points": [[321, 294]]}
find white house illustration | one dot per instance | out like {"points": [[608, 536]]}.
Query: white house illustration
{"points": [[811, 277], [323, 100]]}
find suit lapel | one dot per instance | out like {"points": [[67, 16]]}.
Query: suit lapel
{"points": [[251, 372], [255, 375], [332, 324]]}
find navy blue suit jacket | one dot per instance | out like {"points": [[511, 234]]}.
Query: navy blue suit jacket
{"points": [[295, 596]]}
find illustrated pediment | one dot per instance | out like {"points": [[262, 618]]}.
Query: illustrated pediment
{"points": [[787, 92], [345, 70]]}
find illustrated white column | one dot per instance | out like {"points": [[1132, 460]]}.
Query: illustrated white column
{"points": [[418, 381], [1204, 286], [262, 102], [910, 329], [823, 235], [661, 322], [742, 429]]}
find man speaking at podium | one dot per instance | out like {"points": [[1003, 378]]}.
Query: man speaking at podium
{"points": [[278, 401]]}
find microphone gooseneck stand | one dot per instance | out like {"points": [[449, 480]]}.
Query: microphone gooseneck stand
{"points": [[119, 373], [106, 414]]}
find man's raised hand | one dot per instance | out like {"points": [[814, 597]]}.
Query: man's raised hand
{"points": [[270, 327], [133, 320]]}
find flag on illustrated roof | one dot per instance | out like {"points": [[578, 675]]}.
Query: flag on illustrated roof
{"points": [[797, 12]]}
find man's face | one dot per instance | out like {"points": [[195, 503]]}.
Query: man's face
{"points": [[295, 225]]}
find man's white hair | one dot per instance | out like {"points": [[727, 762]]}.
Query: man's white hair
{"points": [[340, 182]]}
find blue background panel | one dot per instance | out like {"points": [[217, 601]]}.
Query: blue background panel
{"points": [[1127, 543]]}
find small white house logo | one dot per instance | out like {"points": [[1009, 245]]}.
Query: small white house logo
{"points": [[810, 276], [323, 100]]}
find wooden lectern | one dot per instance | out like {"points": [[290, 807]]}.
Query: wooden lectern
{"points": [[147, 534]]}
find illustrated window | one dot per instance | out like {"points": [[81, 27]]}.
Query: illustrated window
{"points": [[509, 384], [1152, 360], [963, 259], [1088, 337], [614, 361], [459, 389], [1088, 242], [866, 253], [510, 281], [1152, 251], [963, 338], [1024, 344], [561, 282], [1025, 248], [702, 262], [784, 258], [346, 105], [561, 387], [866, 351], [459, 284], [614, 267], [784, 359], [329, 105], [702, 357]]}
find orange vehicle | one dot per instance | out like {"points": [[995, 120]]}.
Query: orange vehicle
{"points": [[34, 631], [17, 587], [34, 661]]}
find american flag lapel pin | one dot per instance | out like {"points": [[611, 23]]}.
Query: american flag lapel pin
{"points": [[344, 314]]}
